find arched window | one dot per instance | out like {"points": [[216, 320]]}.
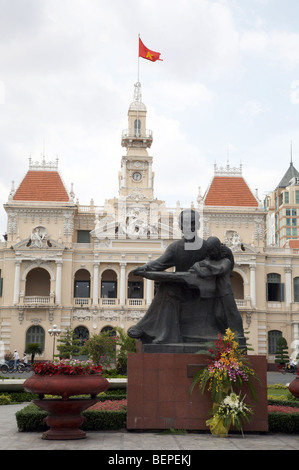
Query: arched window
{"points": [[273, 336], [274, 288], [37, 282], [296, 289], [137, 127], [82, 284], [109, 285], [237, 285], [36, 334], [82, 334]]}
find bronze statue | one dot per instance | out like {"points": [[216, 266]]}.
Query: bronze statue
{"points": [[195, 303]]}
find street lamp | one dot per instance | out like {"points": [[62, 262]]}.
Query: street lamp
{"points": [[54, 332]]}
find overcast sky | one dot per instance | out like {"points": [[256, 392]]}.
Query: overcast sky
{"points": [[228, 88]]}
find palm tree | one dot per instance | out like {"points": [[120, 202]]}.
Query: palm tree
{"points": [[33, 348]]}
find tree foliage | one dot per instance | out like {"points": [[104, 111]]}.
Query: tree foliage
{"points": [[68, 345]]}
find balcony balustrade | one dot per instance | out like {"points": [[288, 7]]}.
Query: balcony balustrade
{"points": [[82, 301], [40, 300], [136, 302]]}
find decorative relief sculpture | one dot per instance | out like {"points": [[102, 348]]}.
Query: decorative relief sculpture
{"points": [[38, 238]]}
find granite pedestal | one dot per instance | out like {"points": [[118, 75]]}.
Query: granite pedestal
{"points": [[158, 392]]}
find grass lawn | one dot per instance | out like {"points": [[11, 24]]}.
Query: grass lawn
{"points": [[279, 391]]}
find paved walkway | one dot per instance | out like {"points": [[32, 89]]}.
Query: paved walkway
{"points": [[114, 442], [117, 441]]}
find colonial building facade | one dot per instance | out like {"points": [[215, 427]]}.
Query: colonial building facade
{"points": [[72, 266]]}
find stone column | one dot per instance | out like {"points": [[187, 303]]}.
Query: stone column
{"points": [[58, 282], [288, 275], [295, 342], [149, 295], [95, 294], [124, 178], [252, 286], [150, 175], [122, 292], [16, 293]]}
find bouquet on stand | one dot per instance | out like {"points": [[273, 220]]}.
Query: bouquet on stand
{"points": [[227, 369]]}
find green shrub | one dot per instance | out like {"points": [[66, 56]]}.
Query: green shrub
{"points": [[287, 423], [5, 399], [22, 396], [31, 418], [104, 420]]}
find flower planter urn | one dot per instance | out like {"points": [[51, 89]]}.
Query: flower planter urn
{"points": [[65, 419], [294, 387], [66, 385]]}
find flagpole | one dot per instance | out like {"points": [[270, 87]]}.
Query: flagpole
{"points": [[138, 60]]}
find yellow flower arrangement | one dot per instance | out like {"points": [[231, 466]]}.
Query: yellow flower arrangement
{"points": [[228, 367]]}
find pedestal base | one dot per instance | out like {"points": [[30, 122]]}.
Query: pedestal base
{"points": [[158, 393], [64, 417]]}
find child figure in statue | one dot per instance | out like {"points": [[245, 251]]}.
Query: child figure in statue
{"points": [[213, 275]]}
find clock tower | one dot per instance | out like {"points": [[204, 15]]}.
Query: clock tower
{"points": [[136, 177]]}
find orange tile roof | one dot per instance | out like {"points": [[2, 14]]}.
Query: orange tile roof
{"points": [[229, 191], [41, 186], [291, 244]]}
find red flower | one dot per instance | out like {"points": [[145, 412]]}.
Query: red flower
{"points": [[67, 367], [282, 409]]}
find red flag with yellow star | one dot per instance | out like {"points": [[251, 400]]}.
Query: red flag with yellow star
{"points": [[146, 53]]}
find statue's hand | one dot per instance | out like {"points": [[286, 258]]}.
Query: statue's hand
{"points": [[141, 270]]}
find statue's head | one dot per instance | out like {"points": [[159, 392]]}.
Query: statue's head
{"points": [[213, 247], [189, 223]]}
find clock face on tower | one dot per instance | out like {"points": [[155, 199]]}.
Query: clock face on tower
{"points": [[137, 176]]}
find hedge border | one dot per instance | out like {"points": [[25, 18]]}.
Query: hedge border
{"points": [[31, 419]]}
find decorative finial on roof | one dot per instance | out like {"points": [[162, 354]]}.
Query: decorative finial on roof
{"points": [[228, 170], [43, 165], [137, 92]]}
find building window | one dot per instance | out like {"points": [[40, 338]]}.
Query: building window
{"points": [[294, 211], [135, 290], [82, 334], [109, 290], [82, 284], [286, 197], [294, 232], [297, 197], [36, 334], [83, 236], [237, 285], [274, 288], [1, 284], [296, 289], [135, 287], [273, 337], [288, 212], [109, 285], [137, 127]]}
